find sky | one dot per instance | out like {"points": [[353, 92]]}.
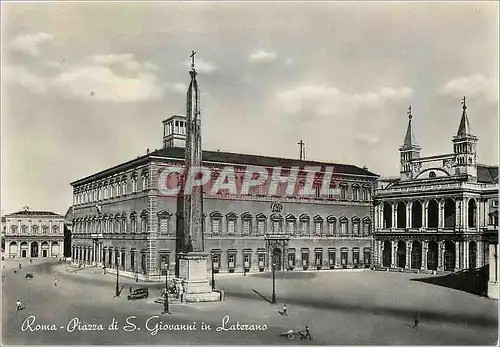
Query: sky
{"points": [[85, 86]]}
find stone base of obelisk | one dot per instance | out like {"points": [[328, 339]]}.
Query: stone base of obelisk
{"points": [[193, 273]]}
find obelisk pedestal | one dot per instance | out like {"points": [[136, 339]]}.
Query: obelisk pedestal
{"points": [[193, 273]]}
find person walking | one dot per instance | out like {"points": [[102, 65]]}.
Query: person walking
{"points": [[308, 333], [19, 305], [415, 322], [181, 293], [285, 311], [55, 282]]}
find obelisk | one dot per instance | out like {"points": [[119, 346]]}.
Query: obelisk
{"points": [[193, 259]]}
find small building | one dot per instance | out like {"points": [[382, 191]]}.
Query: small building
{"points": [[34, 234]]}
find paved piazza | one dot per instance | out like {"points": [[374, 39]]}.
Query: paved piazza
{"points": [[339, 307]]}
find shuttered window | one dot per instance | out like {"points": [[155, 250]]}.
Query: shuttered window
{"points": [[246, 227], [260, 227], [216, 226], [230, 226]]}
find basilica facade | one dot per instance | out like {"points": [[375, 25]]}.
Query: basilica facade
{"points": [[439, 214]]}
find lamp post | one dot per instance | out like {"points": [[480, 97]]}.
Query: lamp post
{"points": [[273, 299], [117, 276], [213, 274], [166, 308]]}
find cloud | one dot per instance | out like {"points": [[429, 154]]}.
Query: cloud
{"points": [[202, 66], [94, 80], [472, 86], [262, 57], [19, 75], [326, 101], [102, 83], [177, 87], [367, 139], [28, 43]]}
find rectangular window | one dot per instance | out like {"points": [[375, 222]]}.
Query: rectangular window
{"points": [[290, 228], [365, 194], [331, 228], [164, 226], [366, 228], [355, 228], [355, 193], [367, 257], [231, 260], [246, 260], [246, 227], [305, 259], [303, 227], [317, 228], [132, 261], [261, 227], [343, 228], [291, 260], [319, 258], [216, 226], [331, 258], [262, 260], [276, 227], [216, 261], [230, 226], [164, 264], [343, 193], [355, 257]]}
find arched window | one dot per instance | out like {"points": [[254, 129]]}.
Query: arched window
{"points": [[343, 225], [343, 191], [318, 225], [290, 224], [366, 226], [231, 219], [24, 230], [355, 192]]}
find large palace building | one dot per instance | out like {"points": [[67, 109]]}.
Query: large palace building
{"points": [[439, 215], [34, 234], [120, 216]]}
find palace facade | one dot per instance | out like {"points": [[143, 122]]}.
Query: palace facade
{"points": [[121, 218], [438, 215], [34, 234]]}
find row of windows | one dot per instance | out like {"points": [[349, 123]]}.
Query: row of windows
{"points": [[290, 225], [303, 259], [112, 225], [35, 230], [112, 189]]}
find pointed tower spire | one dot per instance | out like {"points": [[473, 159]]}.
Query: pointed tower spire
{"points": [[410, 139], [409, 152], [464, 127], [464, 147]]}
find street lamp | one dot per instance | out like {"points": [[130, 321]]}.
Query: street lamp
{"points": [[166, 308], [273, 299], [117, 276], [213, 274]]}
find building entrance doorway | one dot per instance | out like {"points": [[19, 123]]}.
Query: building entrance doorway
{"points": [[277, 258], [34, 249]]}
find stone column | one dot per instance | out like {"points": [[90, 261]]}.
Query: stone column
{"points": [[424, 255], [457, 255], [458, 214], [466, 254], [394, 215], [465, 213], [408, 214], [440, 255], [409, 246], [425, 221], [394, 246], [441, 214], [480, 254]]}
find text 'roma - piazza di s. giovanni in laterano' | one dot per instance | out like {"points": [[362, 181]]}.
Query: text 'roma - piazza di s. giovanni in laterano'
{"points": [[440, 214]]}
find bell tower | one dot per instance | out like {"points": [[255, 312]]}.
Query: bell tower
{"points": [[409, 151], [464, 147]]}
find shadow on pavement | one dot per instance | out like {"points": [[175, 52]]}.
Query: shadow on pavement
{"points": [[474, 281], [404, 313], [262, 296], [289, 275]]}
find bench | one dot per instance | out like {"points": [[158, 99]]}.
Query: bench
{"points": [[139, 293]]}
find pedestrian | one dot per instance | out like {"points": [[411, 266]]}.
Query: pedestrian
{"points": [[20, 265], [415, 322], [285, 312], [308, 333], [55, 282], [31, 261], [19, 305], [181, 292]]}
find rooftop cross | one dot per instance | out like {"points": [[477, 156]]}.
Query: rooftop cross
{"points": [[409, 112], [192, 59], [301, 144], [464, 106]]}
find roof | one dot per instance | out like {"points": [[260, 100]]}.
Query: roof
{"points": [[464, 127], [410, 139], [487, 173], [233, 158], [28, 213]]}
